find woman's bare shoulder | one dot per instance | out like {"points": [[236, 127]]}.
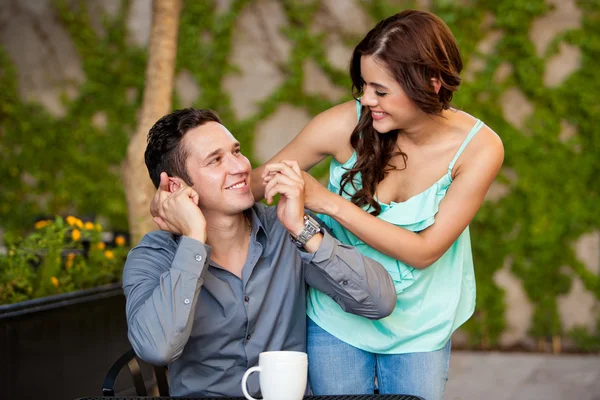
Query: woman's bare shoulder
{"points": [[485, 150], [332, 129], [484, 138], [340, 118], [490, 140]]}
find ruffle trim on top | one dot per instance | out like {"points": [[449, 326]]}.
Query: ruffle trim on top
{"points": [[418, 212], [415, 214]]}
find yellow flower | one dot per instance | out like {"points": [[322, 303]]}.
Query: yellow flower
{"points": [[98, 227], [101, 246], [72, 221], [76, 234], [41, 224], [120, 241], [54, 281], [11, 253], [109, 254], [89, 226]]}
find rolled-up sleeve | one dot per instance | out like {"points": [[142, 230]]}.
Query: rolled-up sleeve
{"points": [[161, 282], [359, 284]]}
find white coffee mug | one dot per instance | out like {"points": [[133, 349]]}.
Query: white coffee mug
{"points": [[282, 375]]}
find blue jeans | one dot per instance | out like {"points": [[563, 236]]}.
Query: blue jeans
{"points": [[335, 367]]}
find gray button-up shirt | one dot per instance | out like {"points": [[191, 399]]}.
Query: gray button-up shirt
{"points": [[209, 326]]}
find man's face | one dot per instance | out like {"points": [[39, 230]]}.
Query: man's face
{"points": [[219, 171]]}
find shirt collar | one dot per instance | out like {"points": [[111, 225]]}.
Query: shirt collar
{"points": [[258, 227]]}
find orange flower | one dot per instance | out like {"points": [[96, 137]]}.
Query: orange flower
{"points": [[120, 241], [54, 281], [41, 224], [76, 234], [70, 258], [89, 226], [109, 254], [101, 246]]}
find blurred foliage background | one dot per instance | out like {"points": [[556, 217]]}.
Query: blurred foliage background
{"points": [[548, 189]]}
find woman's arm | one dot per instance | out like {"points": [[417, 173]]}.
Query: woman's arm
{"points": [[326, 134], [472, 179]]}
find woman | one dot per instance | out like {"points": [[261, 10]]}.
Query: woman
{"points": [[408, 174]]}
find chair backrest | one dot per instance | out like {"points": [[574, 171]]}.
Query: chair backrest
{"points": [[130, 360]]}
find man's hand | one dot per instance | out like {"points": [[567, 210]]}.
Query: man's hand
{"points": [[285, 178], [175, 209], [162, 193]]}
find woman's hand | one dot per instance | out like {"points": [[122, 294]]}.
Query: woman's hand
{"points": [[316, 196]]}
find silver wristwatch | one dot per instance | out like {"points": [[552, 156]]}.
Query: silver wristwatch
{"points": [[311, 228]]}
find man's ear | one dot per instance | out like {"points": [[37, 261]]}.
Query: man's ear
{"points": [[437, 85], [174, 184]]}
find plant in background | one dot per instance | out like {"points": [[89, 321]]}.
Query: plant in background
{"points": [[59, 256]]}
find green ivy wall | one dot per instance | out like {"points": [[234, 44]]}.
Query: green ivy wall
{"points": [[549, 184]]}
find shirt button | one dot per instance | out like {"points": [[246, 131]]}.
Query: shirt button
{"points": [[186, 301], [248, 337], [345, 283], [198, 257], [246, 299]]}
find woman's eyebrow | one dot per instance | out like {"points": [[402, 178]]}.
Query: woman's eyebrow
{"points": [[378, 85]]}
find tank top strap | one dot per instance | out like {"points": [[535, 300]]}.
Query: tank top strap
{"points": [[464, 144]]}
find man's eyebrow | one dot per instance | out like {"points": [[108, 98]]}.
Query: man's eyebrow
{"points": [[219, 151], [213, 153]]}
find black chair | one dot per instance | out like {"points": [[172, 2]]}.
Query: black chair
{"points": [[130, 360]]}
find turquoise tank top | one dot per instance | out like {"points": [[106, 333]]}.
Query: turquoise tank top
{"points": [[431, 303]]}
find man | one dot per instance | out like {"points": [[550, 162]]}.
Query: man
{"points": [[222, 281]]}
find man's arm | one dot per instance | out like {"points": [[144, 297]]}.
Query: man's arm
{"points": [[162, 278], [359, 284], [161, 281]]}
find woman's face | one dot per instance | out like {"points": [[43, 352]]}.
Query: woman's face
{"points": [[390, 107]]}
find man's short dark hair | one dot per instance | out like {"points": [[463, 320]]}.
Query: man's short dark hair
{"points": [[165, 152]]}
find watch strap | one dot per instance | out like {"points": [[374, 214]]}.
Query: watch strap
{"points": [[311, 228]]}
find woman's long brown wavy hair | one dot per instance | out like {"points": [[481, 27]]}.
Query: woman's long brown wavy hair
{"points": [[415, 46]]}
